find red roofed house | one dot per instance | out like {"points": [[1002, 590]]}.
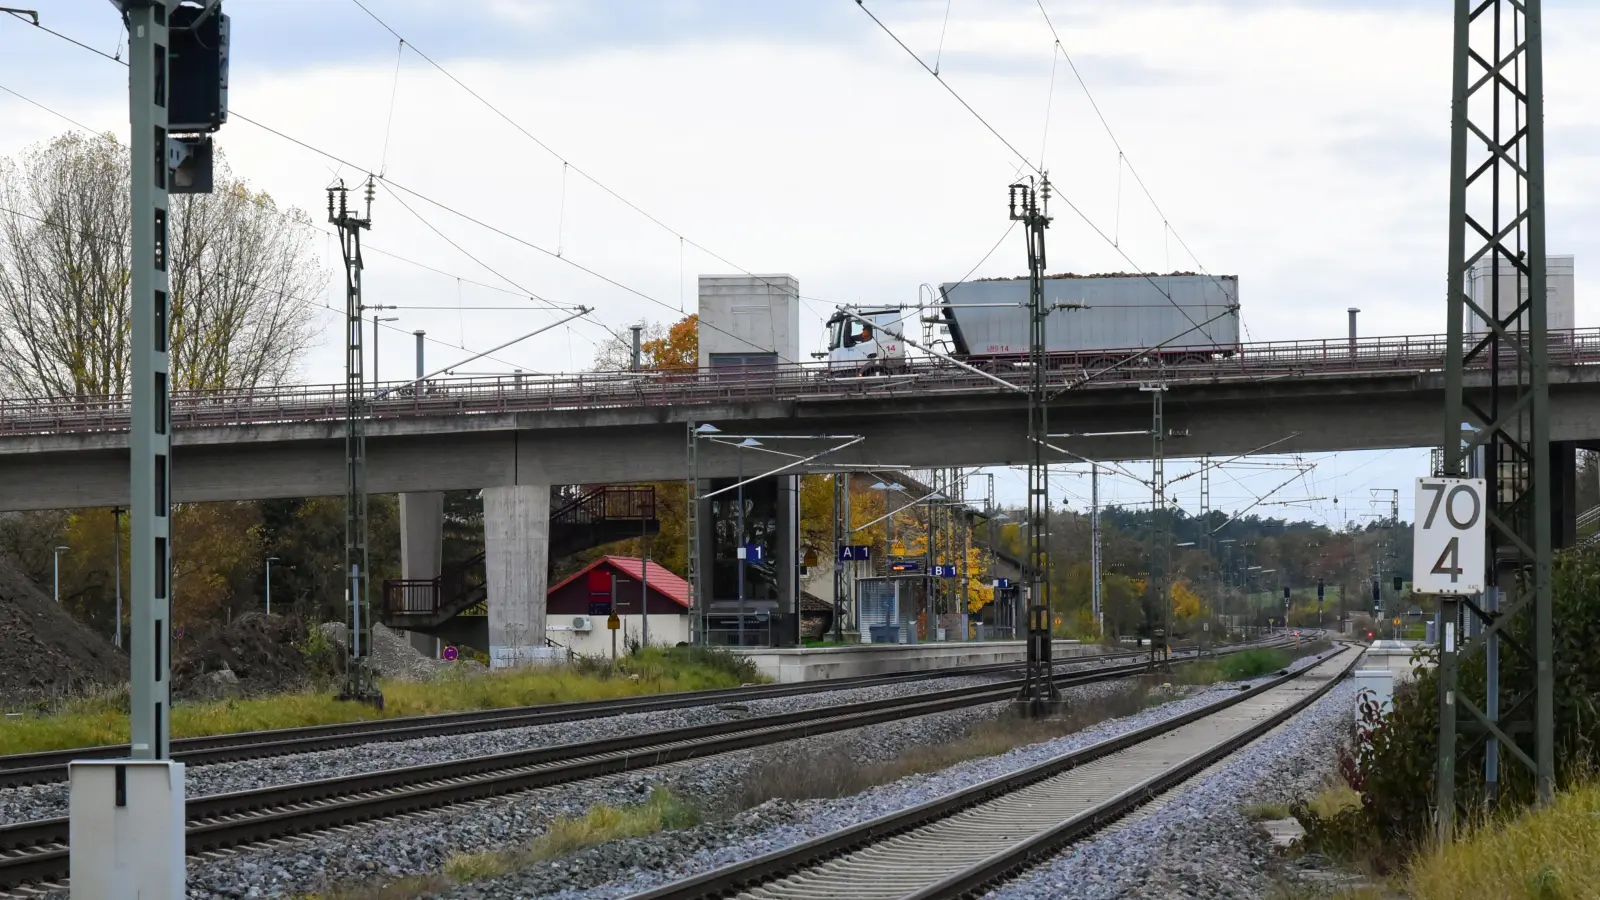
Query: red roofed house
{"points": [[577, 608]]}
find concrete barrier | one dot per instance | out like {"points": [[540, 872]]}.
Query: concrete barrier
{"points": [[790, 665]]}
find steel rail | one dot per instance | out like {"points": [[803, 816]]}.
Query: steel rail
{"points": [[1402, 355], [37, 851], [1008, 803], [46, 766]]}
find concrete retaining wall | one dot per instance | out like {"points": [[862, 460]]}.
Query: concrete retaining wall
{"points": [[787, 666]]}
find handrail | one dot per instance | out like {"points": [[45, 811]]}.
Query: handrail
{"points": [[1405, 354]]}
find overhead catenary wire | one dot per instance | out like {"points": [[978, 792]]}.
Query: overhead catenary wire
{"points": [[566, 163]]}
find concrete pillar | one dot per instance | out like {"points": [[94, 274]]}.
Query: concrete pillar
{"points": [[1563, 494], [516, 535], [422, 548]]}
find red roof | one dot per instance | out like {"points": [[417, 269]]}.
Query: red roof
{"points": [[668, 584]]}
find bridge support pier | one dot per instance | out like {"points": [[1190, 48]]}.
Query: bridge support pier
{"points": [[422, 548], [516, 536]]}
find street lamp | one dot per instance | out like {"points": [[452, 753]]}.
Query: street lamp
{"points": [[270, 561], [375, 325], [56, 590]]}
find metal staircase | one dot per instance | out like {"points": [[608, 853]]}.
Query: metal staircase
{"points": [[451, 606]]}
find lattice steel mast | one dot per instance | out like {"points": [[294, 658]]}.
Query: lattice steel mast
{"points": [[1496, 195], [1032, 208], [359, 682]]}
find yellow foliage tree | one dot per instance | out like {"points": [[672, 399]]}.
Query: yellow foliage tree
{"points": [[1185, 602]]}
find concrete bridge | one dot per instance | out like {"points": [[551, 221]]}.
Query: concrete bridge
{"points": [[513, 437]]}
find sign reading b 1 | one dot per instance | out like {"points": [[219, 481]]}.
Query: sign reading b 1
{"points": [[1448, 538]]}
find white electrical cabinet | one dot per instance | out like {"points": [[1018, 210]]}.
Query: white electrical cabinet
{"points": [[126, 829]]}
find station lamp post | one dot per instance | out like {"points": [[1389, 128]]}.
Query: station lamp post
{"points": [[56, 560]]}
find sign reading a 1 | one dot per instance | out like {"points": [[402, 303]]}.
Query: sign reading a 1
{"points": [[944, 571], [1002, 583], [1448, 540], [854, 552], [753, 553]]}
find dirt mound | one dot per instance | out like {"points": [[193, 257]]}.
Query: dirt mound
{"points": [[253, 655], [46, 654]]}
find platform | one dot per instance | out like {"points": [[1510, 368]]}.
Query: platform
{"points": [[1392, 655], [790, 665]]}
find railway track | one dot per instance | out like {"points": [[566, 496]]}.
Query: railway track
{"points": [[961, 844], [37, 852], [44, 767]]}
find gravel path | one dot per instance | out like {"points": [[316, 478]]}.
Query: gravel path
{"points": [[648, 862], [47, 800], [1196, 842]]}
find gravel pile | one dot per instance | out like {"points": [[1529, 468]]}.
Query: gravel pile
{"points": [[45, 654], [391, 653], [45, 800], [1198, 843]]}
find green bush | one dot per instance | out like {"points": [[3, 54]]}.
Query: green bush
{"points": [[1394, 769]]}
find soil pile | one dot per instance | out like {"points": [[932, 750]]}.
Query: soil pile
{"points": [[253, 655], [46, 654]]}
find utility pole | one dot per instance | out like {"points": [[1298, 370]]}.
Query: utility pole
{"points": [[1094, 548], [1497, 220], [1160, 539], [376, 324], [1205, 546], [116, 568], [1032, 208], [359, 682], [637, 330]]}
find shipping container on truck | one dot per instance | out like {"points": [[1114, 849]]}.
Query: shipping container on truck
{"points": [[1191, 318]]}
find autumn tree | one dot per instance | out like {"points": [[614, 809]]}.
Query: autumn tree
{"points": [[662, 348], [241, 271]]}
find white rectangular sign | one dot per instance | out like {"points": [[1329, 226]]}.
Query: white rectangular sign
{"points": [[1448, 547]]}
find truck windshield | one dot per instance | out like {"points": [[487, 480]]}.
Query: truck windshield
{"points": [[835, 332]]}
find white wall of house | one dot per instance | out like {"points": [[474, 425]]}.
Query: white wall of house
{"points": [[666, 630]]}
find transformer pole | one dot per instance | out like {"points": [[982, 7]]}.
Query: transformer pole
{"points": [[1032, 208], [359, 683], [1497, 222]]}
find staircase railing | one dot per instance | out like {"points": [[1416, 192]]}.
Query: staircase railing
{"points": [[610, 502], [426, 596]]}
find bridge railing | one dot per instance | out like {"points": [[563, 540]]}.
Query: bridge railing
{"points": [[294, 404]]}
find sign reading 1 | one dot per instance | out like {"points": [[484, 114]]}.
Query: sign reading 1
{"points": [[1448, 547]]}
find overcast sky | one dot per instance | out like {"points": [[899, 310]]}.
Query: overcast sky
{"points": [[1299, 145]]}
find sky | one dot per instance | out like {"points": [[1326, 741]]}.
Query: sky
{"points": [[1300, 145]]}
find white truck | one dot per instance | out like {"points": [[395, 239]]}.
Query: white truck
{"points": [[857, 347]]}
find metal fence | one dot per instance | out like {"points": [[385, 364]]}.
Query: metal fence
{"points": [[296, 404]]}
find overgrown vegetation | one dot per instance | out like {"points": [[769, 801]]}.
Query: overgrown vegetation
{"points": [[836, 773], [1238, 666], [104, 719], [1545, 854], [662, 811], [1393, 771]]}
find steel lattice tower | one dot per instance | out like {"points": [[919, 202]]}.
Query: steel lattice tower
{"points": [[1497, 219], [1032, 209]]}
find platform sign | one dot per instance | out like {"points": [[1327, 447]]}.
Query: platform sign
{"points": [[451, 654], [904, 566], [855, 552], [1448, 539], [944, 571], [753, 553], [1001, 584]]}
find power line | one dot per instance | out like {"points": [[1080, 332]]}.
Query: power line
{"points": [[392, 183], [1060, 196], [1121, 156], [565, 162]]}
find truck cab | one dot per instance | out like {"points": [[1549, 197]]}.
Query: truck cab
{"points": [[859, 348]]}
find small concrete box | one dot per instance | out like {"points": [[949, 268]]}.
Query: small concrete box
{"points": [[1377, 684], [126, 829]]}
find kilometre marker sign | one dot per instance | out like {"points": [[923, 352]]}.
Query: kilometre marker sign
{"points": [[1448, 539]]}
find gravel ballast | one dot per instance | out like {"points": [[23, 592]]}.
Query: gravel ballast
{"points": [[1196, 842], [48, 800]]}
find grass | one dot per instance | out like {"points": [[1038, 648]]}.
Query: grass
{"points": [[835, 773], [1238, 666], [1266, 812], [103, 719], [1334, 799], [1544, 854], [662, 811]]}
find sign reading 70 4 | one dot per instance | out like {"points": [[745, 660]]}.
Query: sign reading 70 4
{"points": [[1448, 547]]}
